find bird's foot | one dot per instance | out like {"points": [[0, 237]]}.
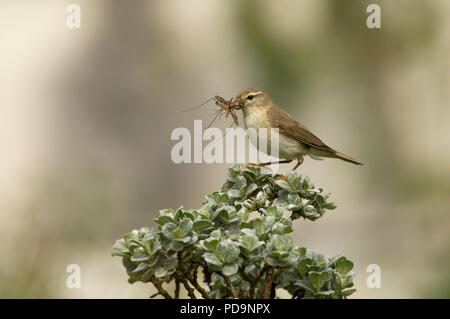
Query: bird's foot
{"points": [[281, 179], [255, 165], [300, 161]]}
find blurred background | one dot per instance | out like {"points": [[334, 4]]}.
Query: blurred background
{"points": [[86, 117]]}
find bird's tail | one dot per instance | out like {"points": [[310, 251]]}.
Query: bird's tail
{"points": [[347, 158]]}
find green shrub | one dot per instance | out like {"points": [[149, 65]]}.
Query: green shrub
{"points": [[238, 244]]}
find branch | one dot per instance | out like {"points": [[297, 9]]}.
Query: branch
{"points": [[255, 282], [192, 279], [157, 282], [189, 289], [194, 282], [230, 286], [249, 280], [268, 283], [177, 289]]}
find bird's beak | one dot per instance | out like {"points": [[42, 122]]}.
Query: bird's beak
{"points": [[237, 103]]}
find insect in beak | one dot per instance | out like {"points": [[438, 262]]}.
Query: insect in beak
{"points": [[227, 106]]}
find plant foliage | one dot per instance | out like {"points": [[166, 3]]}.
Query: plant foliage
{"points": [[237, 245]]}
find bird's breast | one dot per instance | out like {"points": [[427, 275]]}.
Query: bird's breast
{"points": [[256, 118]]}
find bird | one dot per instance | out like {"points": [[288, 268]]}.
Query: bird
{"points": [[295, 140]]}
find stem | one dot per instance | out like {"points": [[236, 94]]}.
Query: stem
{"points": [[161, 290], [230, 285], [177, 289], [268, 283], [192, 279], [255, 282], [197, 286], [189, 289], [250, 281]]}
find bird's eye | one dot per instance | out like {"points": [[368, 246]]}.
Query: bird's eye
{"points": [[250, 97]]}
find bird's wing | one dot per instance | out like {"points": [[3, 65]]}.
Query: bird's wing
{"points": [[288, 126]]}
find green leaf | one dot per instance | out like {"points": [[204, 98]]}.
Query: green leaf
{"points": [[275, 211], [303, 265], [251, 271], [133, 235], [250, 189], [281, 242], [284, 185], [259, 226], [250, 242], [216, 234], [329, 206], [319, 260], [152, 246], [212, 260], [318, 279], [168, 230], [160, 272], [178, 215], [230, 269], [147, 275], [279, 254], [302, 251], [293, 179], [185, 226], [343, 265], [141, 257], [279, 228], [177, 245], [191, 214], [347, 292], [305, 285], [163, 220], [234, 193], [294, 199], [121, 245], [210, 243], [227, 251], [141, 267], [167, 212], [202, 224]]}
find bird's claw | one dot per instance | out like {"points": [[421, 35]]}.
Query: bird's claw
{"points": [[281, 179]]}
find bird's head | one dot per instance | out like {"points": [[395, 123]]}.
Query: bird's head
{"points": [[251, 97]]}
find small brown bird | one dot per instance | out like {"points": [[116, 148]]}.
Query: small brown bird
{"points": [[295, 140]]}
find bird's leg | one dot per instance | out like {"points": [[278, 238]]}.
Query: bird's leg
{"points": [[271, 163], [268, 163], [300, 161]]}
